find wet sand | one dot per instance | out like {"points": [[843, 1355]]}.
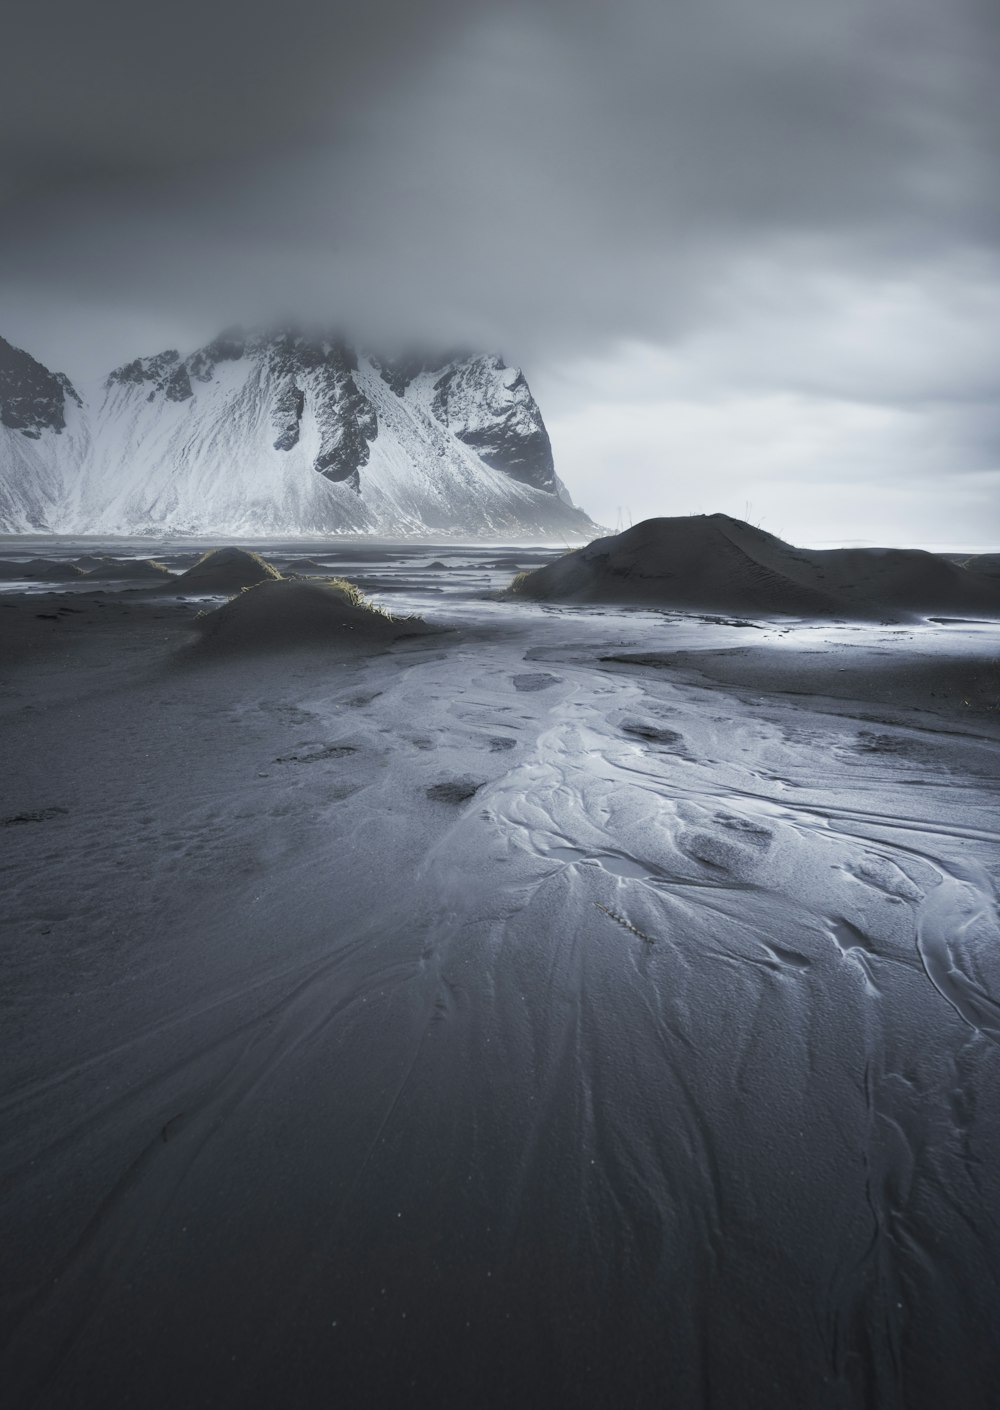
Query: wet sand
{"points": [[579, 1007]]}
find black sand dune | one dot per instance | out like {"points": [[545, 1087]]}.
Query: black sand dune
{"points": [[93, 560], [123, 569], [717, 563], [39, 570], [285, 614], [988, 564], [226, 570], [908, 580]]}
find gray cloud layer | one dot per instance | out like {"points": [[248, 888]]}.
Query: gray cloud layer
{"points": [[791, 198]]}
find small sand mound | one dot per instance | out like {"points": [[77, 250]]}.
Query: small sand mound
{"points": [[226, 570], [715, 563], [119, 569], [277, 615], [39, 570]]}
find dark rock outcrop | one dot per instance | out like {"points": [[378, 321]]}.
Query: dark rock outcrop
{"points": [[165, 372], [303, 368], [32, 399], [324, 371], [286, 415], [489, 407], [399, 372]]}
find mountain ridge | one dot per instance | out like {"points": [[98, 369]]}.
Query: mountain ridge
{"points": [[281, 432]]}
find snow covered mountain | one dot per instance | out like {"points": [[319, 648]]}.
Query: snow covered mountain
{"points": [[275, 434]]}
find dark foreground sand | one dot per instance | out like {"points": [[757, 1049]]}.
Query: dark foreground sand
{"points": [[576, 1008]]}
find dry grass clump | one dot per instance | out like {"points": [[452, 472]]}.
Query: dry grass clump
{"points": [[352, 594]]}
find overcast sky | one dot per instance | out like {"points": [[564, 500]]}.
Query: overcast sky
{"points": [[747, 251]]}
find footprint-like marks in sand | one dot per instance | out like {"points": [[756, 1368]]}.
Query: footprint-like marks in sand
{"points": [[35, 816], [885, 876], [856, 948], [869, 742], [455, 790], [535, 680], [754, 834], [652, 734], [735, 844], [316, 754], [287, 714]]}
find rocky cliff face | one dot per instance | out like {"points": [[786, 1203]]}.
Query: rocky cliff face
{"points": [[489, 407], [163, 374], [486, 405], [295, 365], [43, 441], [32, 399], [278, 432]]}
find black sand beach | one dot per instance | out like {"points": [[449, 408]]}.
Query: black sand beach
{"points": [[577, 1006]]}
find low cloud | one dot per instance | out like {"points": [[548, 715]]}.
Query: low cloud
{"points": [[731, 216]]}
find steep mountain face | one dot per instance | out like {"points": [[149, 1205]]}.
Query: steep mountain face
{"points": [[488, 406], [43, 440], [32, 399], [285, 434]]}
